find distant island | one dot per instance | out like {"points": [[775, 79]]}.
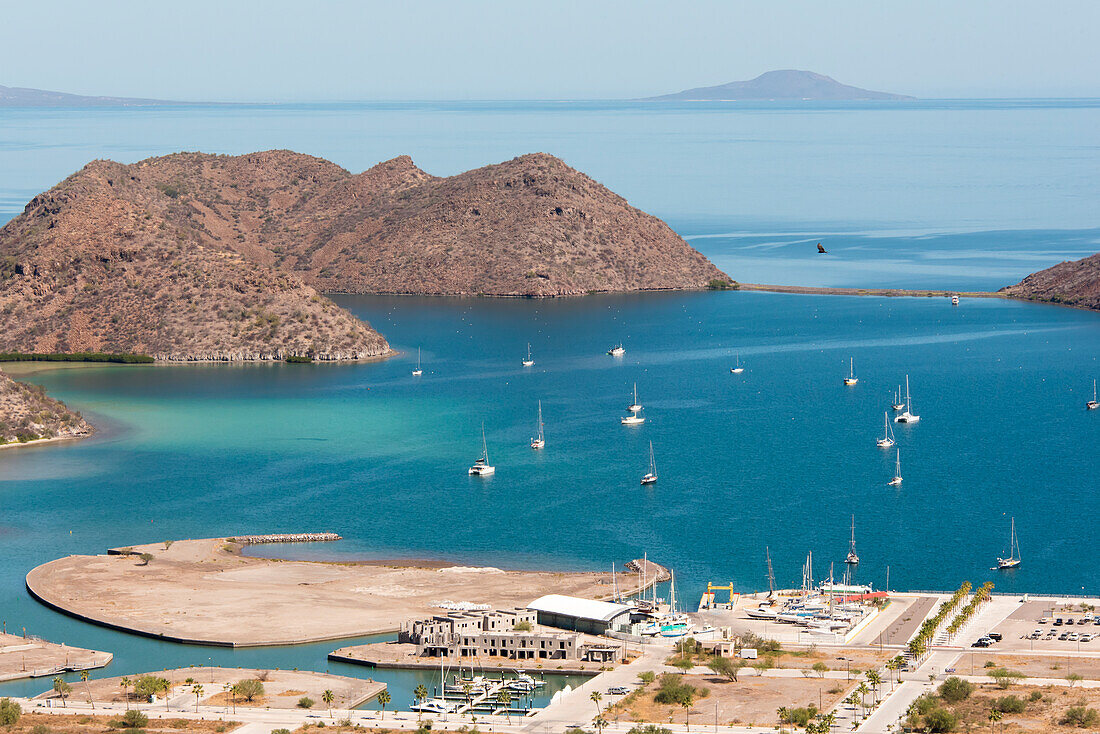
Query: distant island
{"points": [[192, 256], [26, 97], [785, 84]]}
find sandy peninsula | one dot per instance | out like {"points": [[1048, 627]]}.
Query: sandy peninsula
{"points": [[31, 657], [206, 592]]}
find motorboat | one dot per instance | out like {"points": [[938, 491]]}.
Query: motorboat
{"points": [[435, 706]]}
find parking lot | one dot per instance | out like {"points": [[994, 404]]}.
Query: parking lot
{"points": [[1043, 627]]}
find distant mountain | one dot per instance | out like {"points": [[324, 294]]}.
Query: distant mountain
{"points": [[1073, 283], [784, 84], [25, 97]]}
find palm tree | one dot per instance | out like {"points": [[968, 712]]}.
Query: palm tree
{"points": [[384, 698], [505, 698], [875, 680], [863, 690], [467, 689], [328, 698], [420, 694], [600, 723], [125, 683], [686, 703], [596, 698], [87, 687], [782, 713], [198, 694], [994, 717], [62, 688]]}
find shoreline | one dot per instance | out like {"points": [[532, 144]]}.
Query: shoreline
{"points": [[810, 290], [55, 439]]}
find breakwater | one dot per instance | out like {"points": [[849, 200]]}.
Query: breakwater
{"points": [[284, 538]]}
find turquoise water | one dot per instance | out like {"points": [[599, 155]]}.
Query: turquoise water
{"points": [[960, 195]]}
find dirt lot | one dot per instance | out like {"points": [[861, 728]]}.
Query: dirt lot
{"points": [[26, 657], [749, 700], [282, 688], [1033, 666], [203, 590], [76, 724], [1043, 715]]}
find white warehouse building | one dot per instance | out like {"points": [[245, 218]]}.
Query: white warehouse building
{"points": [[581, 615]]}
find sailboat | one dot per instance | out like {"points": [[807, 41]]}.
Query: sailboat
{"points": [[634, 419], [851, 379], [651, 477], [674, 624], [897, 404], [853, 557], [617, 351], [418, 372], [1013, 559], [737, 368], [887, 439], [1093, 404], [539, 442], [528, 362], [635, 406], [896, 481], [482, 467], [907, 416]]}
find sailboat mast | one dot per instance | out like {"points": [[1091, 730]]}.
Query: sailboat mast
{"points": [[484, 445], [771, 574]]}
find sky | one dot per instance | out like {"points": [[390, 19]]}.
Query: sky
{"points": [[316, 50]]}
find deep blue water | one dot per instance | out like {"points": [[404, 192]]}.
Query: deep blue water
{"points": [[945, 194]]}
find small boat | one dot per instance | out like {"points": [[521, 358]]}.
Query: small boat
{"points": [[896, 481], [761, 613], [1093, 404], [897, 404], [539, 441], [737, 368], [634, 419], [1013, 559], [651, 476], [617, 351], [482, 467], [528, 362], [435, 706], [954, 300], [851, 379], [635, 406], [907, 416], [887, 439], [853, 557], [418, 372]]}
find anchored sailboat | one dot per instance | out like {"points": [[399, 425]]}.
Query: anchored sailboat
{"points": [[418, 372], [908, 416], [737, 368], [851, 379], [887, 439], [651, 477], [539, 442], [896, 481], [482, 467], [1093, 404], [1013, 559], [635, 406], [617, 351], [897, 404], [853, 557], [528, 362]]}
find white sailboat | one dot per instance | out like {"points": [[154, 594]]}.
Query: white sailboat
{"points": [[617, 351], [897, 404], [635, 406], [887, 439], [907, 416], [482, 467], [851, 379], [418, 372], [539, 442], [528, 362], [853, 557], [651, 477], [896, 481], [1013, 559], [737, 368], [634, 419], [1093, 404]]}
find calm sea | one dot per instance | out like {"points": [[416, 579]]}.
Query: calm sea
{"points": [[948, 194]]}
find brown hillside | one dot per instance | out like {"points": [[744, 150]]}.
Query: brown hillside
{"points": [[1075, 283], [28, 414]]}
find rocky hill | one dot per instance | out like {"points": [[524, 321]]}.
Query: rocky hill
{"points": [[783, 84], [28, 414], [27, 97], [1075, 283], [111, 261]]}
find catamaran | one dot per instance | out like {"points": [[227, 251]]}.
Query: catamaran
{"points": [[635, 406], [897, 404], [1013, 559], [853, 557], [482, 467], [887, 439], [539, 441], [907, 416], [737, 368], [418, 372], [851, 379], [617, 351], [651, 477], [528, 362], [896, 481], [1093, 404]]}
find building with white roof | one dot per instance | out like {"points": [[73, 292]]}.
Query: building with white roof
{"points": [[581, 615]]}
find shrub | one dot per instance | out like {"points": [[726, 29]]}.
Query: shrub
{"points": [[940, 720], [1005, 677], [759, 643], [801, 716], [649, 729], [40, 729], [1080, 716], [305, 702], [955, 689], [249, 688], [820, 668], [299, 359], [280, 731], [1035, 696], [725, 667], [647, 676], [1009, 705], [10, 712], [673, 690]]}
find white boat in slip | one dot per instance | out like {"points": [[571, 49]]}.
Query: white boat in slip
{"points": [[418, 372], [539, 441], [482, 467], [635, 406], [896, 481], [851, 379], [907, 416], [887, 439], [737, 368], [529, 362], [1013, 559], [651, 476]]}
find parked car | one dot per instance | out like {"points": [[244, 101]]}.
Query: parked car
{"points": [[618, 690], [983, 642], [995, 636], [1044, 620], [1057, 621]]}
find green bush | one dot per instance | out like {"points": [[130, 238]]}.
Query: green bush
{"points": [[280, 731], [1010, 705], [120, 357], [940, 720], [1005, 677], [299, 359], [10, 712], [249, 688], [1035, 696], [801, 716], [647, 676], [305, 702], [673, 690], [649, 729], [149, 685], [955, 689], [1080, 716]]}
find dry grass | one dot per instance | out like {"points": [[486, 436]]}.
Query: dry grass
{"points": [[84, 724]]}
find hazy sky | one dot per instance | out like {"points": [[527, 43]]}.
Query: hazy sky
{"points": [[484, 49]]}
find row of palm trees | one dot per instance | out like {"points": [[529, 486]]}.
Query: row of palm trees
{"points": [[980, 597], [918, 646]]}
